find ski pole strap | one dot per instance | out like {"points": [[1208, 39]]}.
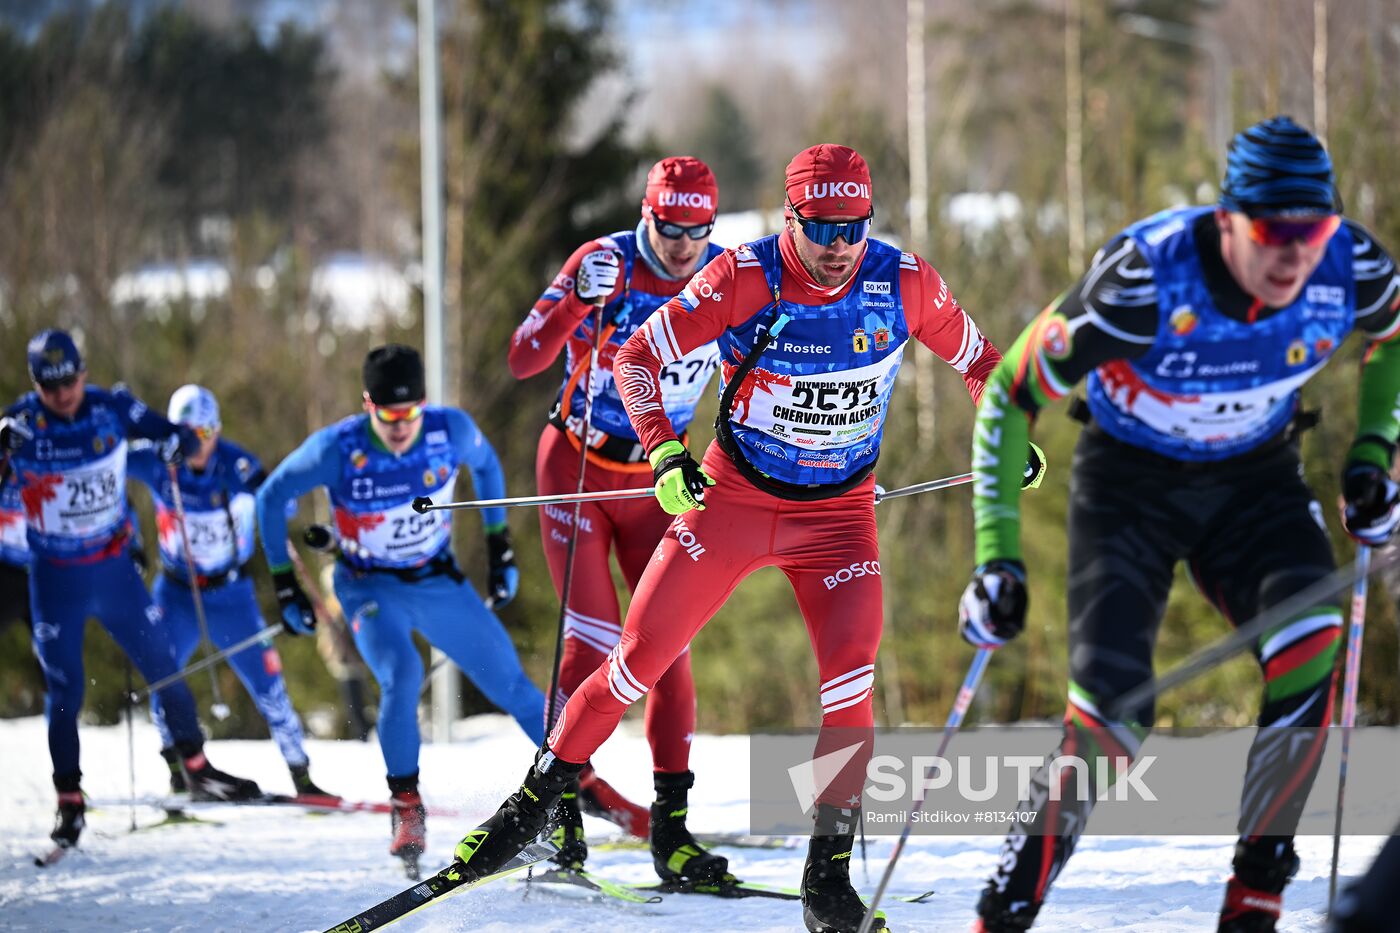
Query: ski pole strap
{"points": [[724, 433], [1245, 635]]}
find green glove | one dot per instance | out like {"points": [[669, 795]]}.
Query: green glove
{"points": [[1035, 467], [680, 483]]}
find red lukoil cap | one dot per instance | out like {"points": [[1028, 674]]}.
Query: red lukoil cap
{"points": [[682, 190], [829, 181]]}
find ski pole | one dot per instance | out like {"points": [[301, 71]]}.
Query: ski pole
{"points": [[130, 747], [219, 708], [264, 636], [424, 504], [1244, 636], [881, 495], [567, 583], [1350, 682], [960, 707]]}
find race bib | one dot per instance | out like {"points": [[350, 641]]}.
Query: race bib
{"points": [[215, 545], [85, 500], [820, 411], [684, 381], [1207, 418], [399, 536]]}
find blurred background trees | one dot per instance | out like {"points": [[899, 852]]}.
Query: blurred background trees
{"points": [[226, 192]]}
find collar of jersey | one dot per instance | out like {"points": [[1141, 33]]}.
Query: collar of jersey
{"points": [[792, 265], [379, 445]]}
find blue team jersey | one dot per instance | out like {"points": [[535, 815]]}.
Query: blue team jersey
{"points": [[372, 490], [72, 474], [682, 382], [1213, 387], [219, 505], [813, 409]]}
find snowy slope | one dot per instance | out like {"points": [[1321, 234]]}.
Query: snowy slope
{"points": [[272, 868]]}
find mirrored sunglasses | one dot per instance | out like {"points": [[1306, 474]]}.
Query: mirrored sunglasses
{"points": [[824, 233], [675, 231], [395, 415], [1276, 231]]}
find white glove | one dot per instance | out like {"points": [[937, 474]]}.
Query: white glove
{"points": [[597, 275]]}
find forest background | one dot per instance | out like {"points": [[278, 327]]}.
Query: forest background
{"points": [[263, 138]]}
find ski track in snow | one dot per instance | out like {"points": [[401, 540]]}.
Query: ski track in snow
{"points": [[276, 868]]}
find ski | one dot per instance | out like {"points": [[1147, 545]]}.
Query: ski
{"points": [[312, 802], [591, 882], [708, 840], [445, 883], [730, 889], [177, 818], [51, 857]]}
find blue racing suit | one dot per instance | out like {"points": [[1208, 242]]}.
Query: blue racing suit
{"points": [[396, 571], [219, 523], [72, 485]]}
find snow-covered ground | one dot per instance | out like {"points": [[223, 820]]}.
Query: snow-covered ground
{"points": [[273, 868]]}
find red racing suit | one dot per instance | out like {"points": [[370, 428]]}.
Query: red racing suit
{"points": [[826, 546], [630, 529]]}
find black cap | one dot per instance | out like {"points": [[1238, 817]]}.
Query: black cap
{"points": [[394, 375]]}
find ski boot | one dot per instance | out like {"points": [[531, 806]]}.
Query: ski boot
{"points": [[408, 821], [675, 854], [70, 818], [1254, 895], [994, 914], [177, 773], [829, 903], [207, 782], [306, 789], [566, 830], [599, 798], [520, 818]]}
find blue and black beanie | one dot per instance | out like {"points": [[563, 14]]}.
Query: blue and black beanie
{"points": [[1277, 167]]}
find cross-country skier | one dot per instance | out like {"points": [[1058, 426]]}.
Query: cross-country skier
{"points": [[396, 571], [68, 449], [632, 273], [1195, 328], [217, 485], [812, 326]]}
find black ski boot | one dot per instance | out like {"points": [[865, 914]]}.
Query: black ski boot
{"points": [[207, 782], [566, 830], [305, 787], [829, 903], [994, 913], [1254, 895], [520, 819], [177, 773], [675, 854], [70, 818]]}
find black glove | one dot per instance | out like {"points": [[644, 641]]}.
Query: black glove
{"points": [[14, 432], [992, 610], [1372, 503], [505, 578], [297, 615], [175, 448]]}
